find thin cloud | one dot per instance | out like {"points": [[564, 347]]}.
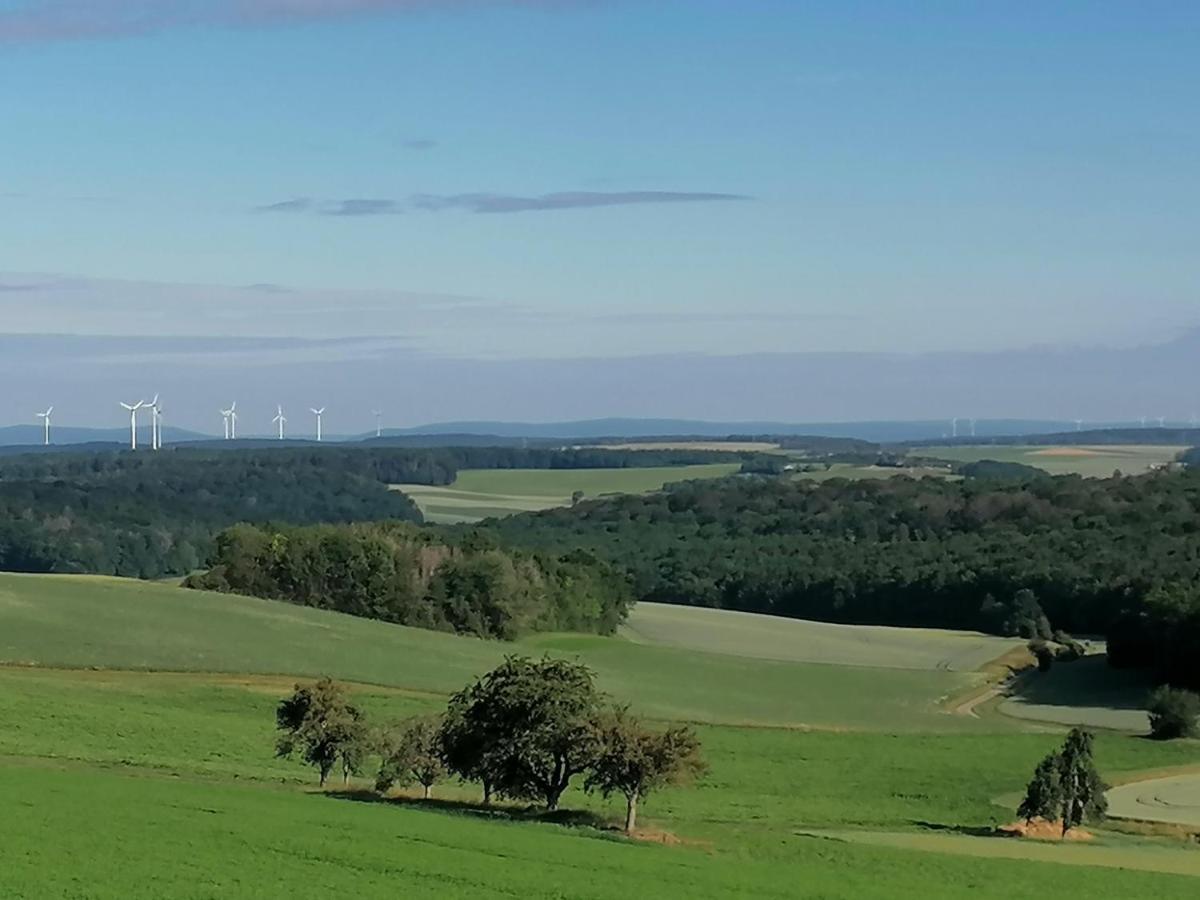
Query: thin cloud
{"points": [[42, 21], [499, 203], [363, 207], [419, 144], [297, 204]]}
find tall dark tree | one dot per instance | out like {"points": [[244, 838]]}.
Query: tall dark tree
{"points": [[1082, 790], [320, 724], [1043, 796]]}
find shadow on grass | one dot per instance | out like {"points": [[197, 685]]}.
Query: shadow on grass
{"points": [[1086, 682], [968, 830], [569, 818]]}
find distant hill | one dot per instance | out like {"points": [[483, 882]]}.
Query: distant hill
{"points": [[34, 435], [613, 428]]}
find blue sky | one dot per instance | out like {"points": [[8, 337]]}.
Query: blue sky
{"points": [[536, 180]]}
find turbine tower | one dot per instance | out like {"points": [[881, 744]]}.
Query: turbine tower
{"points": [[155, 424], [45, 417], [378, 422], [954, 427], [133, 411], [318, 413], [280, 420], [230, 417]]}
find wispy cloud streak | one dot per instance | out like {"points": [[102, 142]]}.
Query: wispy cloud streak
{"points": [[42, 21], [494, 203]]}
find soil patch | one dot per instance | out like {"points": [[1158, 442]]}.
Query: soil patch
{"points": [[1043, 830]]}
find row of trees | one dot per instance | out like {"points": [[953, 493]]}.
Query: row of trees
{"points": [[524, 732], [1119, 556], [413, 576]]}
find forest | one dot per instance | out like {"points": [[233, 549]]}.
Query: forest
{"points": [[1118, 556], [151, 515], [412, 576]]}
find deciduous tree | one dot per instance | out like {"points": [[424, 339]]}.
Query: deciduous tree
{"points": [[412, 753], [633, 760], [320, 724]]}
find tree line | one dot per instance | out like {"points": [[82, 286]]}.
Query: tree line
{"points": [[1117, 556], [412, 576], [150, 515], [523, 732]]}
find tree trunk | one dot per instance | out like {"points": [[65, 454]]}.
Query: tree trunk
{"points": [[631, 813], [428, 789], [487, 793]]}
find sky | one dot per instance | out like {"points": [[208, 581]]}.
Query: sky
{"points": [[254, 197]]}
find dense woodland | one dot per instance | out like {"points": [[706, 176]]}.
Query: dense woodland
{"points": [[149, 515], [1119, 556], [412, 576]]}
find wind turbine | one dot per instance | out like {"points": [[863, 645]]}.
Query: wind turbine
{"points": [[954, 427], [155, 424], [133, 411], [280, 420], [1079, 424], [1162, 421], [318, 413], [972, 428], [45, 417], [230, 417], [378, 422]]}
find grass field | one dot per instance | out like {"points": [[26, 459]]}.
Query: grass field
{"points": [[479, 493], [1091, 461], [123, 781], [771, 637]]}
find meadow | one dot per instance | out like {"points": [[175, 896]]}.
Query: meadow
{"points": [[1089, 461], [482, 493], [140, 716]]}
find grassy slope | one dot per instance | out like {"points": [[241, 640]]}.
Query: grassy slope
{"points": [[1094, 462], [478, 493], [217, 826], [77, 621], [772, 637]]}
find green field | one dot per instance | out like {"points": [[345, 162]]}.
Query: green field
{"points": [[771, 637], [479, 493], [1091, 461], [135, 761]]}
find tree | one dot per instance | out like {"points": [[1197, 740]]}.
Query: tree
{"points": [[412, 753], [1044, 654], [1066, 785], [525, 729], [320, 724], [634, 761], [1174, 713], [1082, 790], [1043, 797], [576, 497]]}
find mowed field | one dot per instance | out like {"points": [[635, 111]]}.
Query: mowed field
{"points": [[771, 637], [136, 761], [1091, 461], [482, 493]]}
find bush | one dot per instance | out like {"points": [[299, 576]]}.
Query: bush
{"points": [[1174, 713]]}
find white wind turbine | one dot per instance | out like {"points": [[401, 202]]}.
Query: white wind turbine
{"points": [[133, 411], [318, 413], [230, 417], [378, 413], [280, 420], [155, 423], [45, 417]]}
